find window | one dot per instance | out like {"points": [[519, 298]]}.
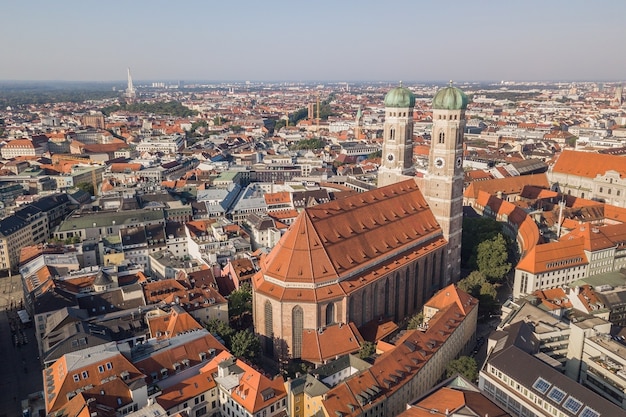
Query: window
{"points": [[85, 374], [556, 395], [100, 368], [541, 385], [572, 404], [76, 378], [442, 137], [109, 366]]}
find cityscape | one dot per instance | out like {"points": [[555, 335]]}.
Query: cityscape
{"points": [[341, 209]]}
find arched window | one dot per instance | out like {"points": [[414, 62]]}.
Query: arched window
{"points": [[297, 324], [330, 313], [269, 329], [442, 137], [387, 297], [364, 307], [458, 137], [392, 134], [407, 285], [269, 319], [601, 189]]}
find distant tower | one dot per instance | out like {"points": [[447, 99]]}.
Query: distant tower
{"points": [[619, 93], [397, 157], [357, 124], [130, 89], [442, 185]]}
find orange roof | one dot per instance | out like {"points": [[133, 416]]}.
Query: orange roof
{"points": [[252, 384], [589, 164], [121, 167], [508, 185], [554, 256], [282, 197], [452, 295], [335, 238], [448, 401], [186, 390], [170, 325], [333, 341]]}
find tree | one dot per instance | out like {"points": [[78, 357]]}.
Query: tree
{"points": [[416, 321], [477, 285], [367, 349], [475, 231], [465, 366], [86, 187], [240, 301], [245, 344], [221, 329], [492, 258]]}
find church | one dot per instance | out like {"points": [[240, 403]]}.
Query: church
{"points": [[373, 257]]}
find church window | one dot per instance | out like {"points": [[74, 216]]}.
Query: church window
{"points": [[387, 297], [330, 314], [442, 137], [363, 307], [609, 191], [269, 326], [601, 189], [297, 324], [392, 134], [458, 137], [618, 193]]}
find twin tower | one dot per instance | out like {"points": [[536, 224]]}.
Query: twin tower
{"points": [[442, 184]]}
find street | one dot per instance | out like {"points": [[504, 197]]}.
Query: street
{"points": [[21, 374]]}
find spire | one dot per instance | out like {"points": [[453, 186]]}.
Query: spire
{"points": [[130, 89]]}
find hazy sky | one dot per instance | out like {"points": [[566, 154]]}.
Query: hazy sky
{"points": [[298, 40]]}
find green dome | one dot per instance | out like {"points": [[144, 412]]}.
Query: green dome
{"points": [[450, 98], [400, 97]]}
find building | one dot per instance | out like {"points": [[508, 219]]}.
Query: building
{"points": [[371, 256], [589, 175]]}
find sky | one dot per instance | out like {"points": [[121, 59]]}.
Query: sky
{"points": [[322, 40]]}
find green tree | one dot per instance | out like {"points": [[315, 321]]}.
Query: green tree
{"points": [[236, 129], [367, 349], [279, 125], [245, 344], [416, 321], [465, 366], [374, 155], [477, 285], [492, 258], [475, 231], [240, 301], [86, 187], [221, 329]]}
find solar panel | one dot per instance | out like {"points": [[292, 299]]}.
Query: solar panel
{"points": [[541, 385], [589, 412], [556, 395], [572, 404]]}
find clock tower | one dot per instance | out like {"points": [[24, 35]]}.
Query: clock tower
{"points": [[397, 157], [442, 185]]}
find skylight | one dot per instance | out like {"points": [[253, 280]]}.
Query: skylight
{"points": [[556, 395], [572, 404], [589, 412], [541, 385]]}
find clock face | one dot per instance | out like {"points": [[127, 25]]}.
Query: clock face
{"points": [[390, 157], [459, 162], [439, 162]]}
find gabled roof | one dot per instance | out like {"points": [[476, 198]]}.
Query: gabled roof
{"points": [[254, 391], [508, 185], [554, 256], [332, 341], [452, 295], [589, 164], [333, 239]]}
